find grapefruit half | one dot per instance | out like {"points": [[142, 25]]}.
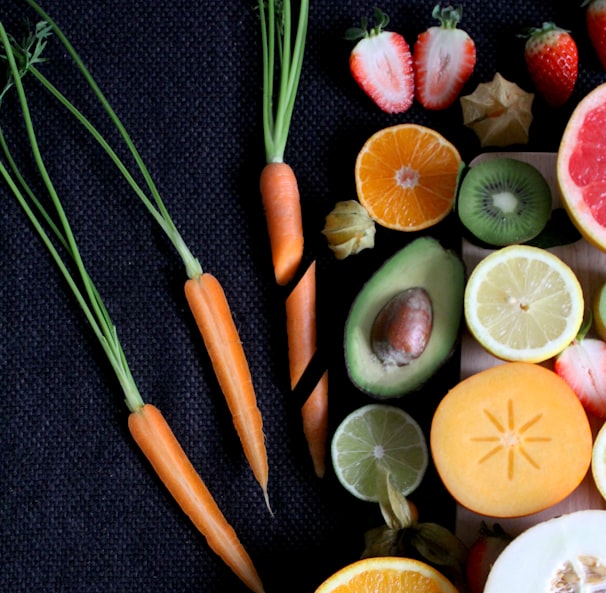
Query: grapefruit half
{"points": [[581, 167]]}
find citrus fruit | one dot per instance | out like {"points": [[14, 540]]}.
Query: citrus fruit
{"points": [[598, 461], [406, 177], [387, 574], [581, 167], [377, 440], [523, 303], [599, 311], [511, 440]]}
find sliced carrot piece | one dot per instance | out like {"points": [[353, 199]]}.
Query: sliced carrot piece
{"points": [[301, 333]]}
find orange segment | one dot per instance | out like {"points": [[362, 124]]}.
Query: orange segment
{"points": [[387, 574], [406, 177]]}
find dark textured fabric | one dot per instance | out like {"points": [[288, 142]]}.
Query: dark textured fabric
{"points": [[80, 509]]}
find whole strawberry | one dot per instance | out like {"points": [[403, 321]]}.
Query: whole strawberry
{"points": [[595, 17], [552, 59], [381, 64], [444, 58], [482, 555]]}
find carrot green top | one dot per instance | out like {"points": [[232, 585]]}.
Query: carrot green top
{"points": [[79, 281], [282, 61], [155, 207]]}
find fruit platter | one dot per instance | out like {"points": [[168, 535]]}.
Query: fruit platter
{"points": [[589, 262], [249, 333]]}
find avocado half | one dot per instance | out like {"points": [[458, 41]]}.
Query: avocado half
{"points": [[422, 263]]}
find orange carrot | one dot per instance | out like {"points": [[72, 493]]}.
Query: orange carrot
{"points": [[213, 316], [315, 424], [301, 324], [158, 443], [282, 206], [283, 47], [301, 336]]}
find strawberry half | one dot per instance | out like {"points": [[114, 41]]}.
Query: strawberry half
{"points": [[583, 366], [444, 58], [482, 555], [381, 64], [552, 59], [595, 17]]}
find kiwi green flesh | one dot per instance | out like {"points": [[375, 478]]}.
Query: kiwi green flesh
{"points": [[422, 263], [504, 201]]}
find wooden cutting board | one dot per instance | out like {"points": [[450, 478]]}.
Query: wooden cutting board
{"points": [[590, 266]]}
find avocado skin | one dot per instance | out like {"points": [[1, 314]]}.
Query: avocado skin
{"points": [[422, 263]]}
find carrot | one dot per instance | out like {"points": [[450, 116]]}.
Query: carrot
{"points": [[301, 324], [278, 184], [147, 425], [156, 440], [211, 311], [280, 198], [301, 334], [237, 387], [315, 424]]}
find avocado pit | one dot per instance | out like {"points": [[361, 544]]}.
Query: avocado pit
{"points": [[401, 329]]}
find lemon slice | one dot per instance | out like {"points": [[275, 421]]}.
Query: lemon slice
{"points": [[378, 440], [523, 303], [598, 461]]}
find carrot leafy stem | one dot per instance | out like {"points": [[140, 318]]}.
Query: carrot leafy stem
{"points": [[155, 205], [79, 281], [282, 63]]}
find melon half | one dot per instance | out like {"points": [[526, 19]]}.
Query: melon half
{"points": [[562, 555], [581, 167]]}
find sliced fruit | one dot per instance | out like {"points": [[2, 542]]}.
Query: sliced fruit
{"points": [[406, 177], [511, 440], [444, 58], [562, 555], [581, 168], [598, 461], [499, 112], [381, 64], [523, 303], [582, 365], [503, 201], [378, 442], [422, 264], [599, 311], [387, 574]]}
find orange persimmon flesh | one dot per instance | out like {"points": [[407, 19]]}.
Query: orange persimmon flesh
{"points": [[511, 440]]}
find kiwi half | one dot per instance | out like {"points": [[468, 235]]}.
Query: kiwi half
{"points": [[504, 201]]}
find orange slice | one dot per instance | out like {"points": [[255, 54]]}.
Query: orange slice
{"points": [[511, 440], [387, 574], [406, 177]]}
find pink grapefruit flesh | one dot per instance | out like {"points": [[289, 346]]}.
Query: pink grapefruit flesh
{"points": [[581, 167]]}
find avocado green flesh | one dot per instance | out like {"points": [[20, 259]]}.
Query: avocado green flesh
{"points": [[423, 262]]}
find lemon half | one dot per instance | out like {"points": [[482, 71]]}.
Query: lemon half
{"points": [[523, 303]]}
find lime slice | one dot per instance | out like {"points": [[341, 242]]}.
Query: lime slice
{"points": [[375, 441], [598, 461], [523, 303], [599, 311]]}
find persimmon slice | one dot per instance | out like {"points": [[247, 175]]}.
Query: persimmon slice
{"points": [[511, 440]]}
